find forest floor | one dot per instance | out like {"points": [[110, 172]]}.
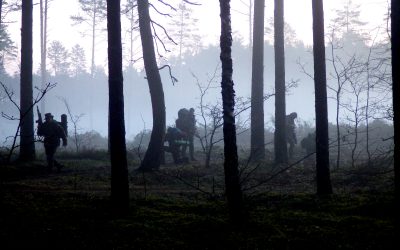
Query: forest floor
{"points": [[183, 207]]}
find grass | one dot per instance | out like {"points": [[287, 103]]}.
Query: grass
{"points": [[71, 210]]}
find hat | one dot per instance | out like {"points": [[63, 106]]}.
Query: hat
{"points": [[48, 115]]}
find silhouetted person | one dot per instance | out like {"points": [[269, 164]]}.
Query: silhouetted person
{"points": [[176, 139], [52, 132], [186, 122], [291, 132], [308, 144]]}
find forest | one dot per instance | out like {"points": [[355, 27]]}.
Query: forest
{"points": [[257, 142]]}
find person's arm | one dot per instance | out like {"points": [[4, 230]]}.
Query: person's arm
{"points": [[63, 135], [40, 130]]}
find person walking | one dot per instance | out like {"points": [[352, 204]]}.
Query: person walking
{"points": [[52, 132]]}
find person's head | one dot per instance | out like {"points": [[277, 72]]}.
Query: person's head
{"points": [[191, 110], [182, 113], [48, 117], [293, 115]]}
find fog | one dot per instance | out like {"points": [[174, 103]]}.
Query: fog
{"points": [[87, 96]]}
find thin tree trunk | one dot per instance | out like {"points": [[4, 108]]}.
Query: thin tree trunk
{"points": [[1, 9], [132, 22], [93, 37], [280, 101], [367, 106], [257, 84], [43, 49], [321, 104], [152, 158], [181, 35], [338, 129], [338, 93], [250, 22], [356, 120], [395, 39], [119, 168], [232, 183], [27, 145]]}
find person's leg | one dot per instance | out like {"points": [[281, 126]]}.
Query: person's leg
{"points": [[191, 148], [183, 150], [56, 163], [291, 149], [50, 150], [175, 153]]}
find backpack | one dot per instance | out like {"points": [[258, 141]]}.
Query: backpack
{"points": [[64, 123]]}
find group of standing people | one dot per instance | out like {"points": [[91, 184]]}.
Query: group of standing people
{"points": [[181, 136]]}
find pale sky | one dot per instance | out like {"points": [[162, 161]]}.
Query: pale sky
{"points": [[297, 14]]}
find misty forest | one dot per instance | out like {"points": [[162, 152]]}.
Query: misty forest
{"points": [[141, 134]]}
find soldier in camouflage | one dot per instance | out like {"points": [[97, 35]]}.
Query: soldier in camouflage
{"points": [[52, 132], [291, 132], [176, 139], [186, 122]]}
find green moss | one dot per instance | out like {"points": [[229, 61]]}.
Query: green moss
{"points": [[71, 210]]}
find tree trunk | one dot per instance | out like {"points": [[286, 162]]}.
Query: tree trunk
{"points": [[250, 23], [280, 102], [1, 8], [338, 136], [232, 184], [119, 169], [257, 85], [395, 30], [27, 144], [152, 158], [43, 50], [93, 37], [321, 103]]}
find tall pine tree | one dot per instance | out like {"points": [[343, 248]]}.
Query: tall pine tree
{"points": [[27, 144], [257, 84], [152, 158], [395, 30], [232, 183], [280, 145], [119, 166], [321, 103]]}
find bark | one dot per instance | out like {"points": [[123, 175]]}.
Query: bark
{"points": [[280, 102], [1, 8], [27, 145], [321, 104], [43, 49], [119, 168], [395, 39], [232, 183], [152, 158], [257, 85]]}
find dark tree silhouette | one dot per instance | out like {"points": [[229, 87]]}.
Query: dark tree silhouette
{"points": [[321, 103], [257, 84], [232, 184], [395, 30], [119, 169], [280, 99], [27, 145], [152, 158]]}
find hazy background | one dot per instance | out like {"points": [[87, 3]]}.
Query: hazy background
{"points": [[88, 96]]}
